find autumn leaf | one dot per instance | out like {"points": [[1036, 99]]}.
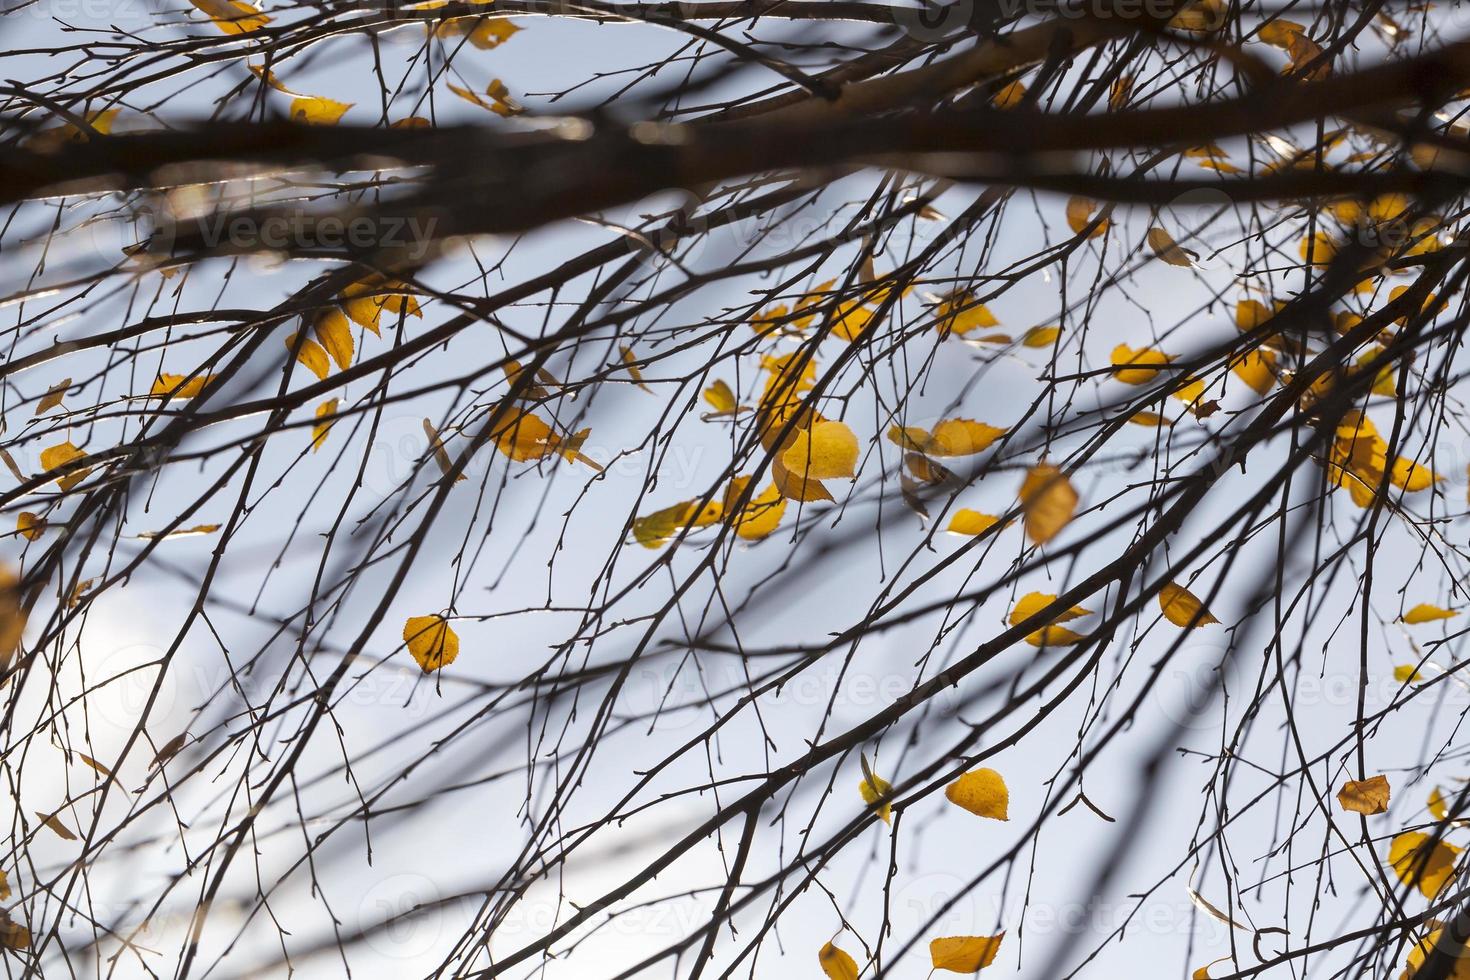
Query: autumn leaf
{"points": [[53, 397], [335, 335], [1425, 613], [964, 954], [1079, 216], [1138, 367], [441, 455], [875, 791], [496, 98], [630, 361], [311, 355], [1047, 502], [29, 525], [365, 300], [1182, 607], [971, 522], [1437, 808], [1054, 636], [326, 410], [233, 16], [54, 824], [1009, 96], [1423, 862], [431, 642], [721, 398], [760, 516], [836, 964], [13, 935], [63, 454], [1038, 337], [12, 614], [827, 450], [179, 385], [656, 529], [959, 313], [1166, 249], [1365, 796], [181, 532], [1034, 602], [982, 792]]}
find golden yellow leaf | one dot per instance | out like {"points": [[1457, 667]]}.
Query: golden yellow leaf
{"points": [[875, 790], [1318, 248], [962, 437], [1047, 502], [1256, 368], [1411, 476], [1150, 420], [311, 355], [4, 886], [233, 16], [827, 450], [53, 397], [760, 516], [53, 822], [958, 312], [523, 436], [1138, 367], [1054, 636], [836, 964], [491, 32], [630, 361], [317, 110], [319, 430], [1079, 216], [1279, 32], [1437, 807], [179, 385], [1365, 796], [981, 791], [13, 935], [964, 954], [335, 335], [12, 614], [496, 98], [719, 395], [1427, 864], [1033, 602], [1406, 674], [365, 300], [431, 642], [655, 529], [60, 455], [1425, 613], [970, 522], [1251, 313], [1166, 249], [1009, 96], [1459, 970], [1040, 336], [29, 525], [1181, 607]]}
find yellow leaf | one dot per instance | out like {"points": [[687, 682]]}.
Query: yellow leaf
{"points": [[12, 614], [875, 790], [491, 32], [836, 963], [1427, 864], [4, 886], [1047, 502], [1410, 476], [311, 356], [320, 429], [971, 522], [655, 529], [1166, 249], [961, 437], [233, 16], [30, 526], [1181, 607], [828, 450], [1009, 96], [523, 436], [1256, 368], [60, 829], [335, 334], [1365, 796], [1033, 602], [431, 642], [60, 455], [316, 110], [981, 791], [13, 935], [1150, 420], [761, 515], [631, 363], [496, 98], [1079, 216], [1279, 32], [1320, 247], [1425, 613], [1138, 367], [1251, 313], [1437, 807], [721, 398], [179, 386], [1041, 336], [958, 312], [53, 397], [964, 954], [1054, 636], [365, 300], [1460, 970], [1406, 674]]}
